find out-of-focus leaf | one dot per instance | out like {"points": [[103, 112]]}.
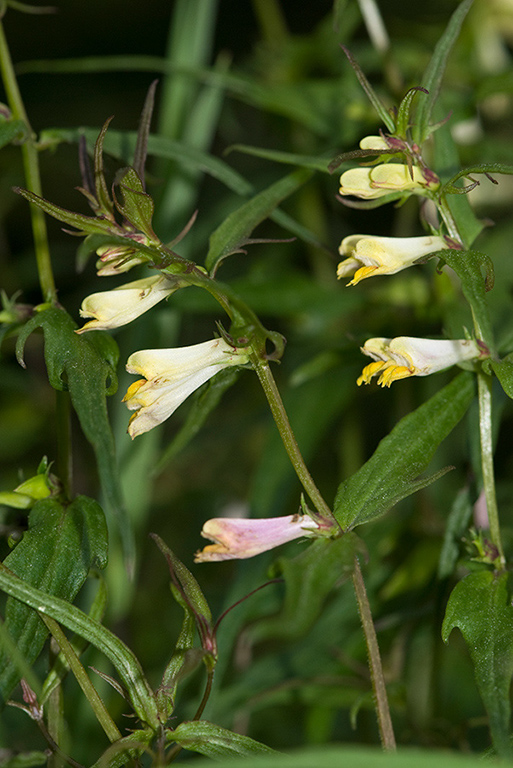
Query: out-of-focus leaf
{"points": [[309, 578], [480, 606], [11, 130], [503, 369], [392, 471], [289, 158], [74, 363], [374, 99], [124, 661], [215, 742], [457, 524], [25, 760], [433, 75], [55, 555], [233, 233]]}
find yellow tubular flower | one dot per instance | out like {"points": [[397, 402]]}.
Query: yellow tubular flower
{"points": [[379, 180], [111, 309], [171, 375], [405, 356], [368, 256]]}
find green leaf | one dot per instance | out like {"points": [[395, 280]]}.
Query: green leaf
{"points": [[25, 760], [433, 75], [383, 113], [102, 193], [288, 158], [180, 663], [131, 746], [216, 742], [390, 474], [84, 224], [503, 369], [468, 266], [457, 525], [232, 234], [309, 578], [122, 658], [141, 147], [449, 185], [480, 606], [11, 130], [137, 206], [73, 362], [55, 555]]}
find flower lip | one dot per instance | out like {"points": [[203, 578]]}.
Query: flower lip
{"points": [[379, 180], [369, 255], [406, 356]]}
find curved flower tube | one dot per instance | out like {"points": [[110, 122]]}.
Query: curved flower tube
{"points": [[171, 375], [236, 538], [368, 256], [111, 309], [379, 180], [407, 356]]}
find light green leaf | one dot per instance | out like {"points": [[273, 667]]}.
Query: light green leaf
{"points": [[216, 742], [122, 658], [11, 130], [119, 753], [392, 471], [55, 555], [480, 606], [432, 79], [233, 233]]}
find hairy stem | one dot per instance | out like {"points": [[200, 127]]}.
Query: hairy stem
{"points": [[31, 168], [386, 730], [289, 440], [484, 383]]}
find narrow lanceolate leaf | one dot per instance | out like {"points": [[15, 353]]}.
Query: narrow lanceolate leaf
{"points": [[234, 232], [435, 70], [71, 617], [84, 224], [374, 99], [503, 369], [141, 147], [85, 367], [392, 472], [480, 606], [309, 578], [55, 555], [125, 750], [469, 266], [213, 741]]}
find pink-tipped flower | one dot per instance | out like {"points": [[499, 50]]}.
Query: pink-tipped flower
{"points": [[379, 180], [369, 256], [407, 356], [237, 539], [171, 375], [111, 309]]}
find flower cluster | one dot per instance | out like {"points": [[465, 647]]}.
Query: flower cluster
{"points": [[370, 256]]}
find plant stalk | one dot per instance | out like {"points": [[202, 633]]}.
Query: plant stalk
{"points": [[31, 169], [386, 729], [484, 383]]}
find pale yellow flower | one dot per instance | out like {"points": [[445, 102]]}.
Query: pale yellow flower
{"points": [[379, 180], [111, 309], [407, 356], [368, 256], [171, 375]]}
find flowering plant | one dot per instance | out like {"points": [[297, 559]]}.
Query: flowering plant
{"points": [[322, 501]]}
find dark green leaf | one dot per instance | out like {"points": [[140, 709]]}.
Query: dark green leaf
{"points": [[216, 742], [433, 75], [180, 664], [124, 661], [11, 130], [84, 224], [74, 363], [102, 193], [486, 168], [404, 121], [233, 233], [503, 369], [468, 266], [480, 606], [137, 206], [457, 525], [25, 760], [392, 471], [55, 555], [141, 147], [309, 578], [289, 158], [383, 113]]}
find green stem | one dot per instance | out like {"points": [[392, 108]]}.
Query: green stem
{"points": [[78, 670], [289, 440], [484, 383], [31, 168], [386, 729], [448, 218]]}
